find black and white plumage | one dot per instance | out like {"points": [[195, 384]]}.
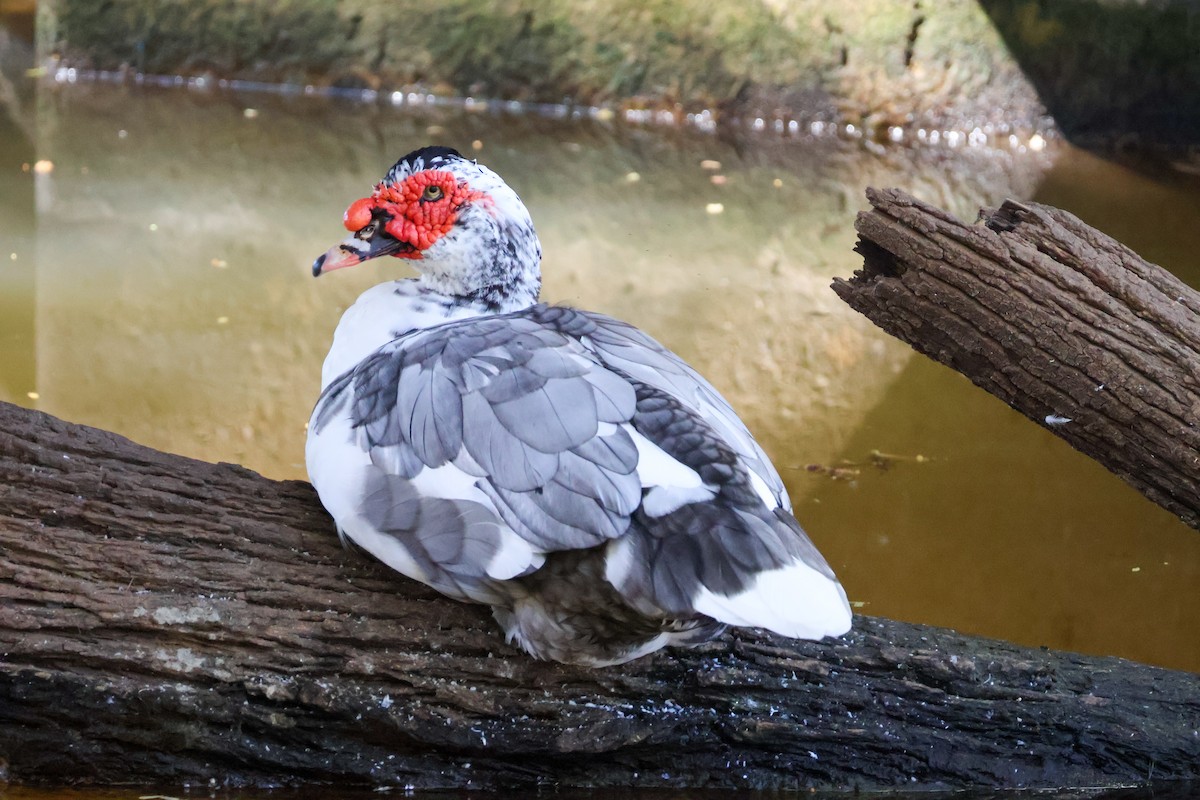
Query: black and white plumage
{"points": [[556, 464]]}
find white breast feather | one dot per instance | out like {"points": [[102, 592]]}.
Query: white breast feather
{"points": [[380, 315]]}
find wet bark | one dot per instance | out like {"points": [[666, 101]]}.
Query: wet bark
{"points": [[164, 620], [1063, 323]]}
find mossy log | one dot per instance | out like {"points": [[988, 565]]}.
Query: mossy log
{"points": [[167, 621], [1063, 323]]}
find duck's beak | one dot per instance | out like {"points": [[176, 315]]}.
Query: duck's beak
{"points": [[370, 242]]}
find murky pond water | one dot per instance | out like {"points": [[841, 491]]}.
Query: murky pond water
{"points": [[155, 277]]}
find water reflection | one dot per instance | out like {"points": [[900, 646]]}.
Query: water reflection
{"points": [[177, 230], [173, 236]]}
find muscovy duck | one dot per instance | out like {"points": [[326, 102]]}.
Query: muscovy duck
{"points": [[556, 464]]}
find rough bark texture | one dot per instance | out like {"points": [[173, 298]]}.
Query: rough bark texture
{"points": [[1063, 323], [164, 620]]}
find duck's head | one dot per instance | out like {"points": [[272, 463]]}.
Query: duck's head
{"points": [[458, 223]]}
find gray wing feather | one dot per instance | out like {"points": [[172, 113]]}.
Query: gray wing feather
{"points": [[512, 383], [557, 362], [615, 399], [610, 488], [434, 414], [722, 544], [511, 391], [478, 374], [554, 418], [615, 453], [557, 518], [398, 459], [508, 462], [590, 499]]}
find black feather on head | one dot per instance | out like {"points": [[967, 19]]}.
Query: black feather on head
{"points": [[421, 159]]}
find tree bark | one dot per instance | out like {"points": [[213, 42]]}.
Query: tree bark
{"points": [[167, 621], [1066, 325]]}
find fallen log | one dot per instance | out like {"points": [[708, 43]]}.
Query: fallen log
{"points": [[170, 621], [1060, 321]]}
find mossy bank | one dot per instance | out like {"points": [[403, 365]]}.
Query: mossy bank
{"points": [[1108, 70], [874, 62]]}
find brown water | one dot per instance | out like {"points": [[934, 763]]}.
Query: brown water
{"points": [[155, 275]]}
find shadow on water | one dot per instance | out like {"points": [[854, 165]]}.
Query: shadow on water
{"points": [[1121, 72], [174, 231]]}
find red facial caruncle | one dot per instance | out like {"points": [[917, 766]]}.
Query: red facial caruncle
{"points": [[421, 209]]}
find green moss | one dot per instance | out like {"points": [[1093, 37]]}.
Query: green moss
{"points": [[518, 49], [539, 49], [275, 37]]}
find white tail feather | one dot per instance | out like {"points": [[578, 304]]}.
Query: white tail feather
{"points": [[795, 600]]}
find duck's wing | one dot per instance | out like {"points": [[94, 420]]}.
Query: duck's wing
{"points": [[739, 555], [479, 446], [634, 353]]}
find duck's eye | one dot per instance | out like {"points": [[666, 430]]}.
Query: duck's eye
{"points": [[432, 192]]}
